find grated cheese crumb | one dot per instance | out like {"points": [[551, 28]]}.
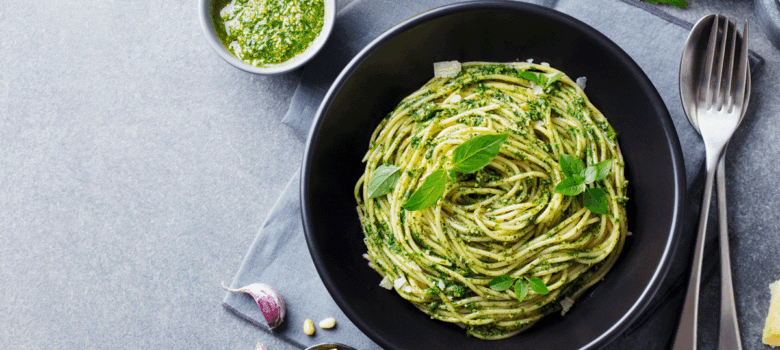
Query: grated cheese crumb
{"points": [[566, 304], [581, 82], [399, 282], [453, 99], [386, 284], [447, 69]]}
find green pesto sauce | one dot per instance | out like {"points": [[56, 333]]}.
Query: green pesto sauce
{"points": [[265, 32]]}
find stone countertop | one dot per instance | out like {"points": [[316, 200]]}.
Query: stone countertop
{"points": [[137, 167]]}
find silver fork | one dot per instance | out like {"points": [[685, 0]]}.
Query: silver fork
{"points": [[719, 106]]}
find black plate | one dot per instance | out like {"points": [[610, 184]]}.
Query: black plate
{"points": [[399, 62]]}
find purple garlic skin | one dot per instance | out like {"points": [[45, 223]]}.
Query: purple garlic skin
{"points": [[268, 300]]}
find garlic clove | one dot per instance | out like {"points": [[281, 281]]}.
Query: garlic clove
{"points": [[260, 346], [268, 300]]}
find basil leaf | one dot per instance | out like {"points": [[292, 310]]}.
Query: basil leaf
{"points": [[476, 153], [539, 79], [596, 200], [677, 3], [501, 283], [521, 289], [383, 180], [603, 169], [453, 175], [590, 174], [537, 285], [428, 193], [570, 186], [571, 165], [554, 78]]}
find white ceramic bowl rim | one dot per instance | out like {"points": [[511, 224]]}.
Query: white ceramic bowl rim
{"points": [[207, 25]]}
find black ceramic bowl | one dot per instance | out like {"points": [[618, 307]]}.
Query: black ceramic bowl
{"points": [[399, 62]]}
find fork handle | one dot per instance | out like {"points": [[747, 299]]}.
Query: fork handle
{"points": [[729, 328], [686, 330]]}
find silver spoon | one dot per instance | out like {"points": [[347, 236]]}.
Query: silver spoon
{"points": [[692, 60]]}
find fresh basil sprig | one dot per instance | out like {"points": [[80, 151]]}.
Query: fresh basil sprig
{"points": [[677, 3], [383, 180], [428, 193], [501, 283], [577, 179], [521, 285], [521, 288], [476, 153], [554, 78], [469, 157], [540, 78], [596, 200]]}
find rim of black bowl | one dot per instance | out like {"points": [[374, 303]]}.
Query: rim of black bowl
{"points": [[673, 143]]}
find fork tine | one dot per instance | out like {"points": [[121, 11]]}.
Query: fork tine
{"points": [[743, 69], [719, 92], [705, 85], [729, 97]]}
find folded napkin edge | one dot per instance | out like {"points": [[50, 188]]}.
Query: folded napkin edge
{"points": [[659, 13]]}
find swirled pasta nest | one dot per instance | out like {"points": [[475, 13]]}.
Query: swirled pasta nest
{"points": [[505, 219]]}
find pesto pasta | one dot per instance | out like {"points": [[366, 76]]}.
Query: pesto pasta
{"points": [[505, 219]]}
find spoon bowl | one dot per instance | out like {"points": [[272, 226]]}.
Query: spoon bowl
{"points": [[690, 67]]}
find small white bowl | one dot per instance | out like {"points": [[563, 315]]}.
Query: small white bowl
{"points": [[206, 11]]}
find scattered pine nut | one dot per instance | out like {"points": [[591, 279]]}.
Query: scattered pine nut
{"points": [[327, 323], [308, 327]]}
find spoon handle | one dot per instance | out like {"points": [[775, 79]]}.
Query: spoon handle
{"points": [[686, 330], [729, 328]]}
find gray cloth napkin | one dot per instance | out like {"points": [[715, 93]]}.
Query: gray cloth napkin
{"points": [[279, 256]]}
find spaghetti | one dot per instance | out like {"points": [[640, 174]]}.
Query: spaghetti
{"points": [[505, 219]]}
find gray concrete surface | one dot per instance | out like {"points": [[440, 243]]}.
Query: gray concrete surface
{"points": [[136, 167]]}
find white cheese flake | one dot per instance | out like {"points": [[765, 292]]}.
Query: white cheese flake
{"points": [[386, 284], [441, 285], [530, 60], [447, 69], [399, 282], [566, 304], [581, 82], [453, 99]]}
